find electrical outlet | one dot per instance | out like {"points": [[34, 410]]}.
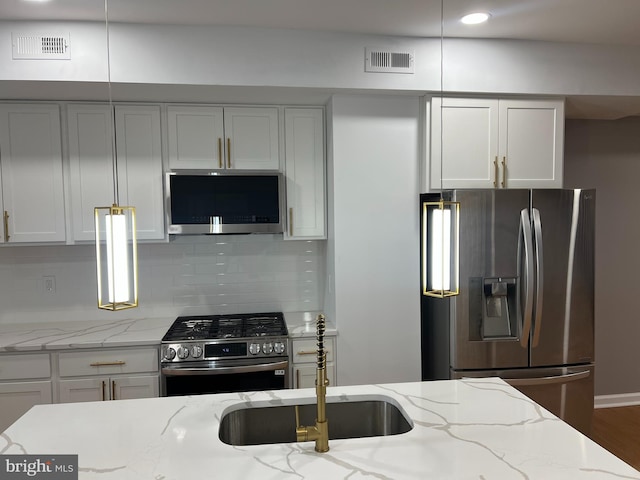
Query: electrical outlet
{"points": [[49, 284]]}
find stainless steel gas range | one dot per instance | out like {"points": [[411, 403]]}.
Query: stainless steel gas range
{"points": [[225, 353]]}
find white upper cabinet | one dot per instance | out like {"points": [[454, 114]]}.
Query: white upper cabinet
{"points": [[90, 162], [207, 137], [251, 138], [488, 143], [531, 143], [305, 173], [196, 137], [139, 148], [31, 170], [139, 164]]}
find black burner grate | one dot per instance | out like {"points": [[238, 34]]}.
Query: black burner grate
{"points": [[211, 327]]}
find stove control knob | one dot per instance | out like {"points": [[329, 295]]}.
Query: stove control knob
{"points": [[267, 348], [169, 353], [196, 351], [183, 352], [278, 347], [254, 348]]}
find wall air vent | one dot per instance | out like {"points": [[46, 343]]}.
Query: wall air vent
{"points": [[40, 47], [384, 60]]}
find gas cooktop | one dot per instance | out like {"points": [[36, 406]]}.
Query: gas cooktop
{"points": [[215, 327]]}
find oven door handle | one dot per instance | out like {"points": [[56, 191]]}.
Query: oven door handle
{"points": [[261, 367]]}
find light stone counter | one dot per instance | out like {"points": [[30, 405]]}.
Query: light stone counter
{"points": [[77, 334], [303, 324], [462, 429], [60, 335]]}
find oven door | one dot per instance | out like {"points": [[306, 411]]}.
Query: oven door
{"points": [[224, 376]]}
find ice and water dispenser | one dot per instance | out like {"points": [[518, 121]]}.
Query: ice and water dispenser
{"points": [[493, 309]]}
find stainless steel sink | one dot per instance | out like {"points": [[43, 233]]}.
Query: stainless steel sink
{"points": [[356, 419]]}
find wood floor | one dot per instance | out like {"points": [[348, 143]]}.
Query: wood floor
{"points": [[618, 430]]}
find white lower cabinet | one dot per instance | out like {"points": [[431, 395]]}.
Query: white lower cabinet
{"points": [[108, 374], [108, 388], [303, 362], [19, 389], [18, 397]]}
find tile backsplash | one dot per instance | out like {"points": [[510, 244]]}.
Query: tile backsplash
{"points": [[190, 275]]}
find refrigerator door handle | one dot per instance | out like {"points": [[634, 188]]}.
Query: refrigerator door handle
{"points": [[525, 382], [537, 235], [525, 233]]}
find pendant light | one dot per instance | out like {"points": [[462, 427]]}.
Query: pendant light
{"points": [[441, 223], [115, 227]]}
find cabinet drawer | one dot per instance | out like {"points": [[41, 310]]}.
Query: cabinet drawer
{"points": [[13, 367], [304, 376], [108, 362], [305, 351]]}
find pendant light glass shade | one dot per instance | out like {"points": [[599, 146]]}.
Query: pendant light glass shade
{"points": [[116, 257], [440, 248]]}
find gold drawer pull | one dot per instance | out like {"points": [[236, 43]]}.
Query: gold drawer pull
{"points": [[310, 352], [6, 226], [291, 222], [504, 172], [108, 364]]}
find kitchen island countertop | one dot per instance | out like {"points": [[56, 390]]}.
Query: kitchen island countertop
{"points": [[462, 429]]}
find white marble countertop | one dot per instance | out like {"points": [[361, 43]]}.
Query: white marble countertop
{"points": [[303, 324], [462, 429], [60, 335]]}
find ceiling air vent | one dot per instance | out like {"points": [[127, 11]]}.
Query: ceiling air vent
{"points": [[40, 47], [381, 60]]}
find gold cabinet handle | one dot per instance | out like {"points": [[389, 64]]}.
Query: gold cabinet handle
{"points": [[113, 389], [219, 152], [310, 352], [291, 222], [228, 153], [6, 226], [495, 173], [504, 172], [108, 364], [103, 385]]}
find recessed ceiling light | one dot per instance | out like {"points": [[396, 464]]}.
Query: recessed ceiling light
{"points": [[475, 18]]}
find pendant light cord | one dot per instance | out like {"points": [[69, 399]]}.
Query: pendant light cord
{"points": [[114, 163], [441, 98]]}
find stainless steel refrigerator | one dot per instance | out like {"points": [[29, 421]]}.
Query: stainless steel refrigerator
{"points": [[525, 311]]}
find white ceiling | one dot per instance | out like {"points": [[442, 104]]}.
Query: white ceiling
{"points": [[584, 21]]}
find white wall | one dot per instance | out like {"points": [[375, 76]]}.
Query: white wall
{"points": [[259, 57], [374, 172], [605, 155], [190, 276]]}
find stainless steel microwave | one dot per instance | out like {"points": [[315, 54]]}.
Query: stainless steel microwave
{"points": [[218, 202]]}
